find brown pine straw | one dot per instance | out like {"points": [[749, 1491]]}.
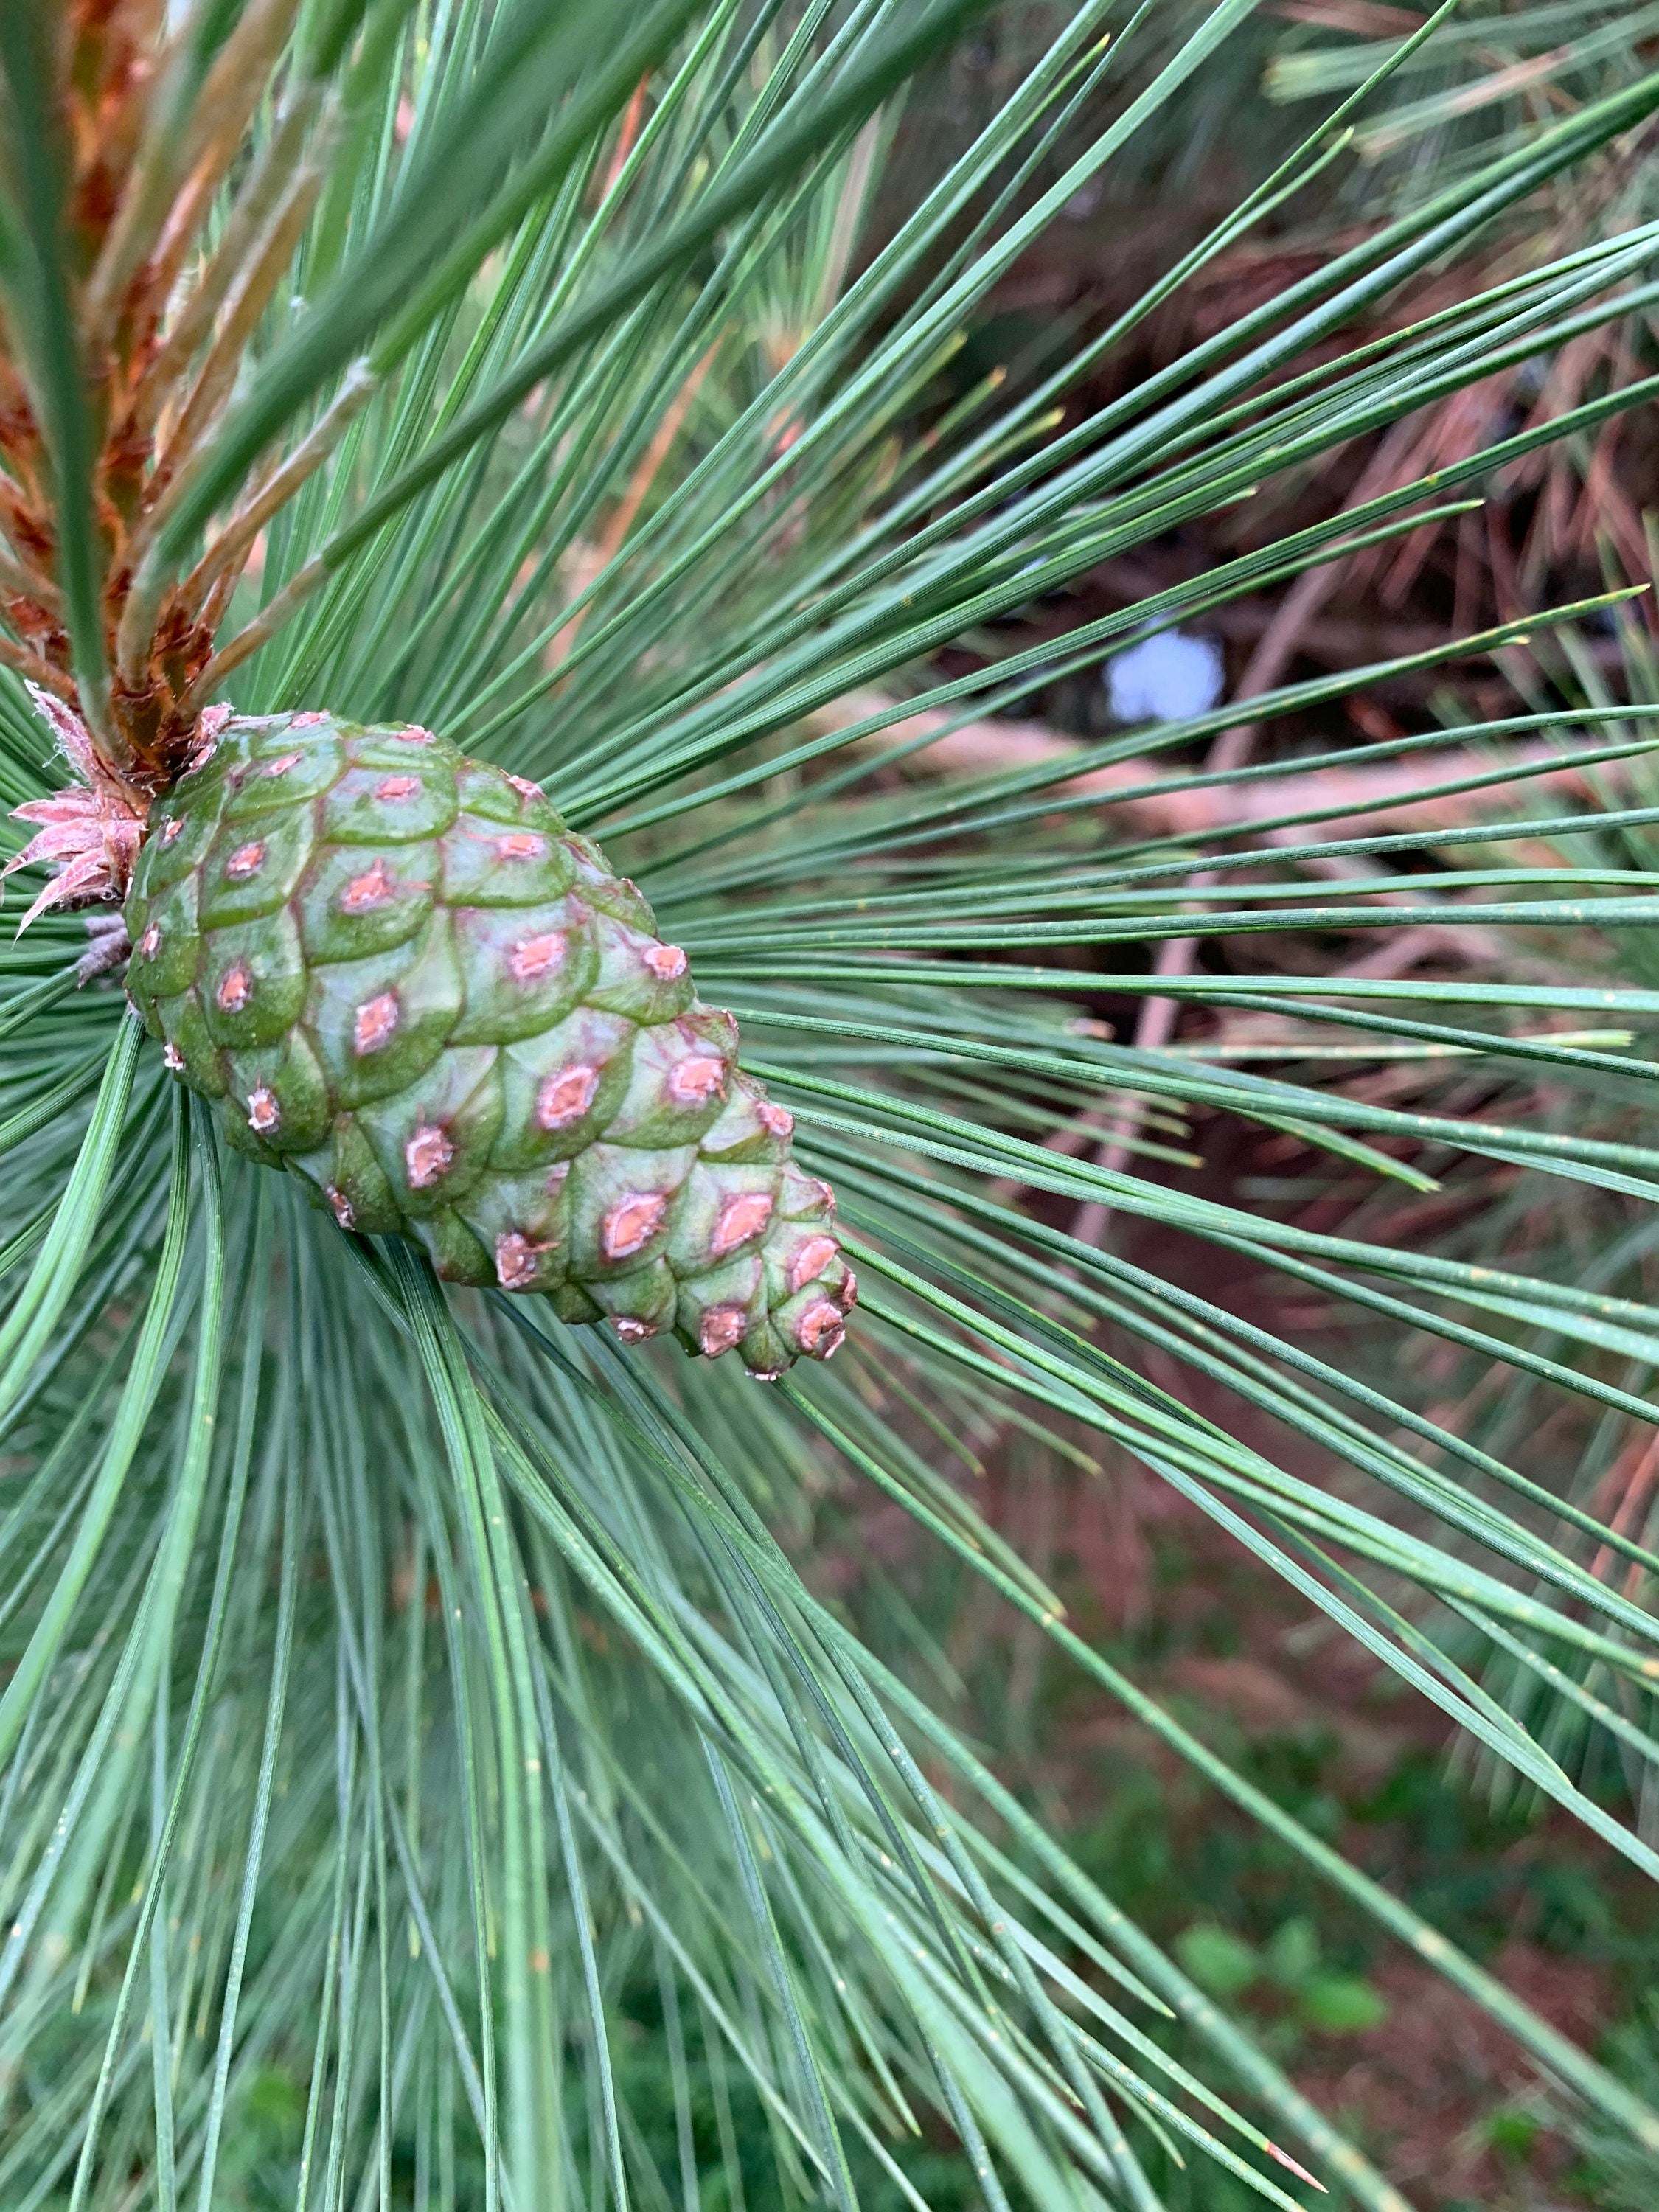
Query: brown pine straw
{"points": [[590, 560], [1348, 799], [1181, 811], [1632, 1477], [1275, 650], [1347, 796]]}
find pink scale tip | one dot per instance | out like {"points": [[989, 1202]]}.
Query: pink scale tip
{"points": [[515, 1259], [720, 1329], [372, 889], [693, 1082], [820, 1329], [812, 1259], [742, 1216], [427, 1155], [235, 988], [534, 955], [376, 1020], [566, 1095], [632, 1223]]}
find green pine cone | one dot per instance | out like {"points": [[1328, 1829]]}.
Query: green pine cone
{"points": [[407, 982]]}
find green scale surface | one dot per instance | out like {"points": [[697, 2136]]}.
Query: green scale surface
{"points": [[402, 978]]}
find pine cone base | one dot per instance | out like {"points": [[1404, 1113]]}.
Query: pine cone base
{"points": [[403, 979]]}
